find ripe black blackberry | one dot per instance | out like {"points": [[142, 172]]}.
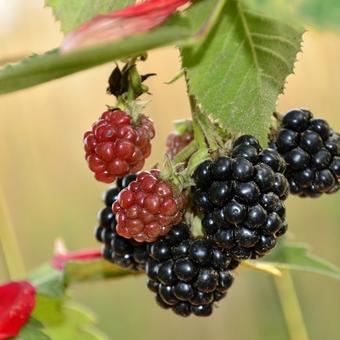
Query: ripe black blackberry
{"points": [[312, 152], [240, 198], [125, 253], [188, 274]]}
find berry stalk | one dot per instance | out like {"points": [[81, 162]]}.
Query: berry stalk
{"points": [[290, 307], [9, 244]]}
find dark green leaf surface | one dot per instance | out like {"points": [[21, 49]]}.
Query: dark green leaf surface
{"points": [[237, 73]]}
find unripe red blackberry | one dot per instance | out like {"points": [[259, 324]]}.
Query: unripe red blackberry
{"points": [[240, 199], [190, 280], [148, 208], [312, 153], [176, 142], [115, 146], [118, 250]]}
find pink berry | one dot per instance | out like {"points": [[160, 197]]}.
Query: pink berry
{"points": [[148, 208], [115, 147], [176, 142]]}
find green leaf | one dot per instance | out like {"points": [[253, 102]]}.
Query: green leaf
{"points": [[297, 257], [237, 73], [48, 281], [62, 320], [65, 320], [73, 13], [49, 310], [319, 13], [77, 323], [38, 69], [53, 310], [80, 271], [33, 330]]}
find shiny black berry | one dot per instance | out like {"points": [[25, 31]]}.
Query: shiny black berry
{"points": [[202, 310], [247, 140], [220, 192], [221, 169], [188, 281], [182, 309], [296, 120], [310, 149], [246, 194], [243, 170], [200, 252], [185, 269], [202, 174], [118, 250], [235, 212]]}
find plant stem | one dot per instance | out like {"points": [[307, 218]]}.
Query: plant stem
{"points": [[290, 306], [210, 23], [185, 153], [13, 258]]}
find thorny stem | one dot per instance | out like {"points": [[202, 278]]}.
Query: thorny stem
{"points": [[211, 132], [290, 306], [13, 258]]}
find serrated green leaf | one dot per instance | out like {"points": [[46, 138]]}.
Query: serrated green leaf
{"points": [[79, 271], [319, 13], [77, 323], [60, 319], [38, 69], [73, 13], [65, 320], [298, 257], [33, 330], [49, 310], [237, 73], [48, 281]]}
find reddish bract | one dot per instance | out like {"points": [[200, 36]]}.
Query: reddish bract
{"points": [[60, 259], [17, 300], [131, 20]]}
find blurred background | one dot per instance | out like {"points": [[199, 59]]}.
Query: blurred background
{"points": [[49, 191]]}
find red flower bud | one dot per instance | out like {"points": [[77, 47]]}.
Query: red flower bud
{"points": [[17, 300], [129, 21], [59, 260]]}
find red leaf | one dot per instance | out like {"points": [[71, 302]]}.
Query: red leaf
{"points": [[17, 300], [129, 21]]}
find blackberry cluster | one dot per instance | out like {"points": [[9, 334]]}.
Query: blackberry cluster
{"points": [[115, 146], [148, 208], [118, 250], [312, 153], [241, 199], [188, 274]]}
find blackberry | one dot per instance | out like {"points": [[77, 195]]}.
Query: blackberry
{"points": [[312, 153], [118, 250], [188, 274], [240, 199]]}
